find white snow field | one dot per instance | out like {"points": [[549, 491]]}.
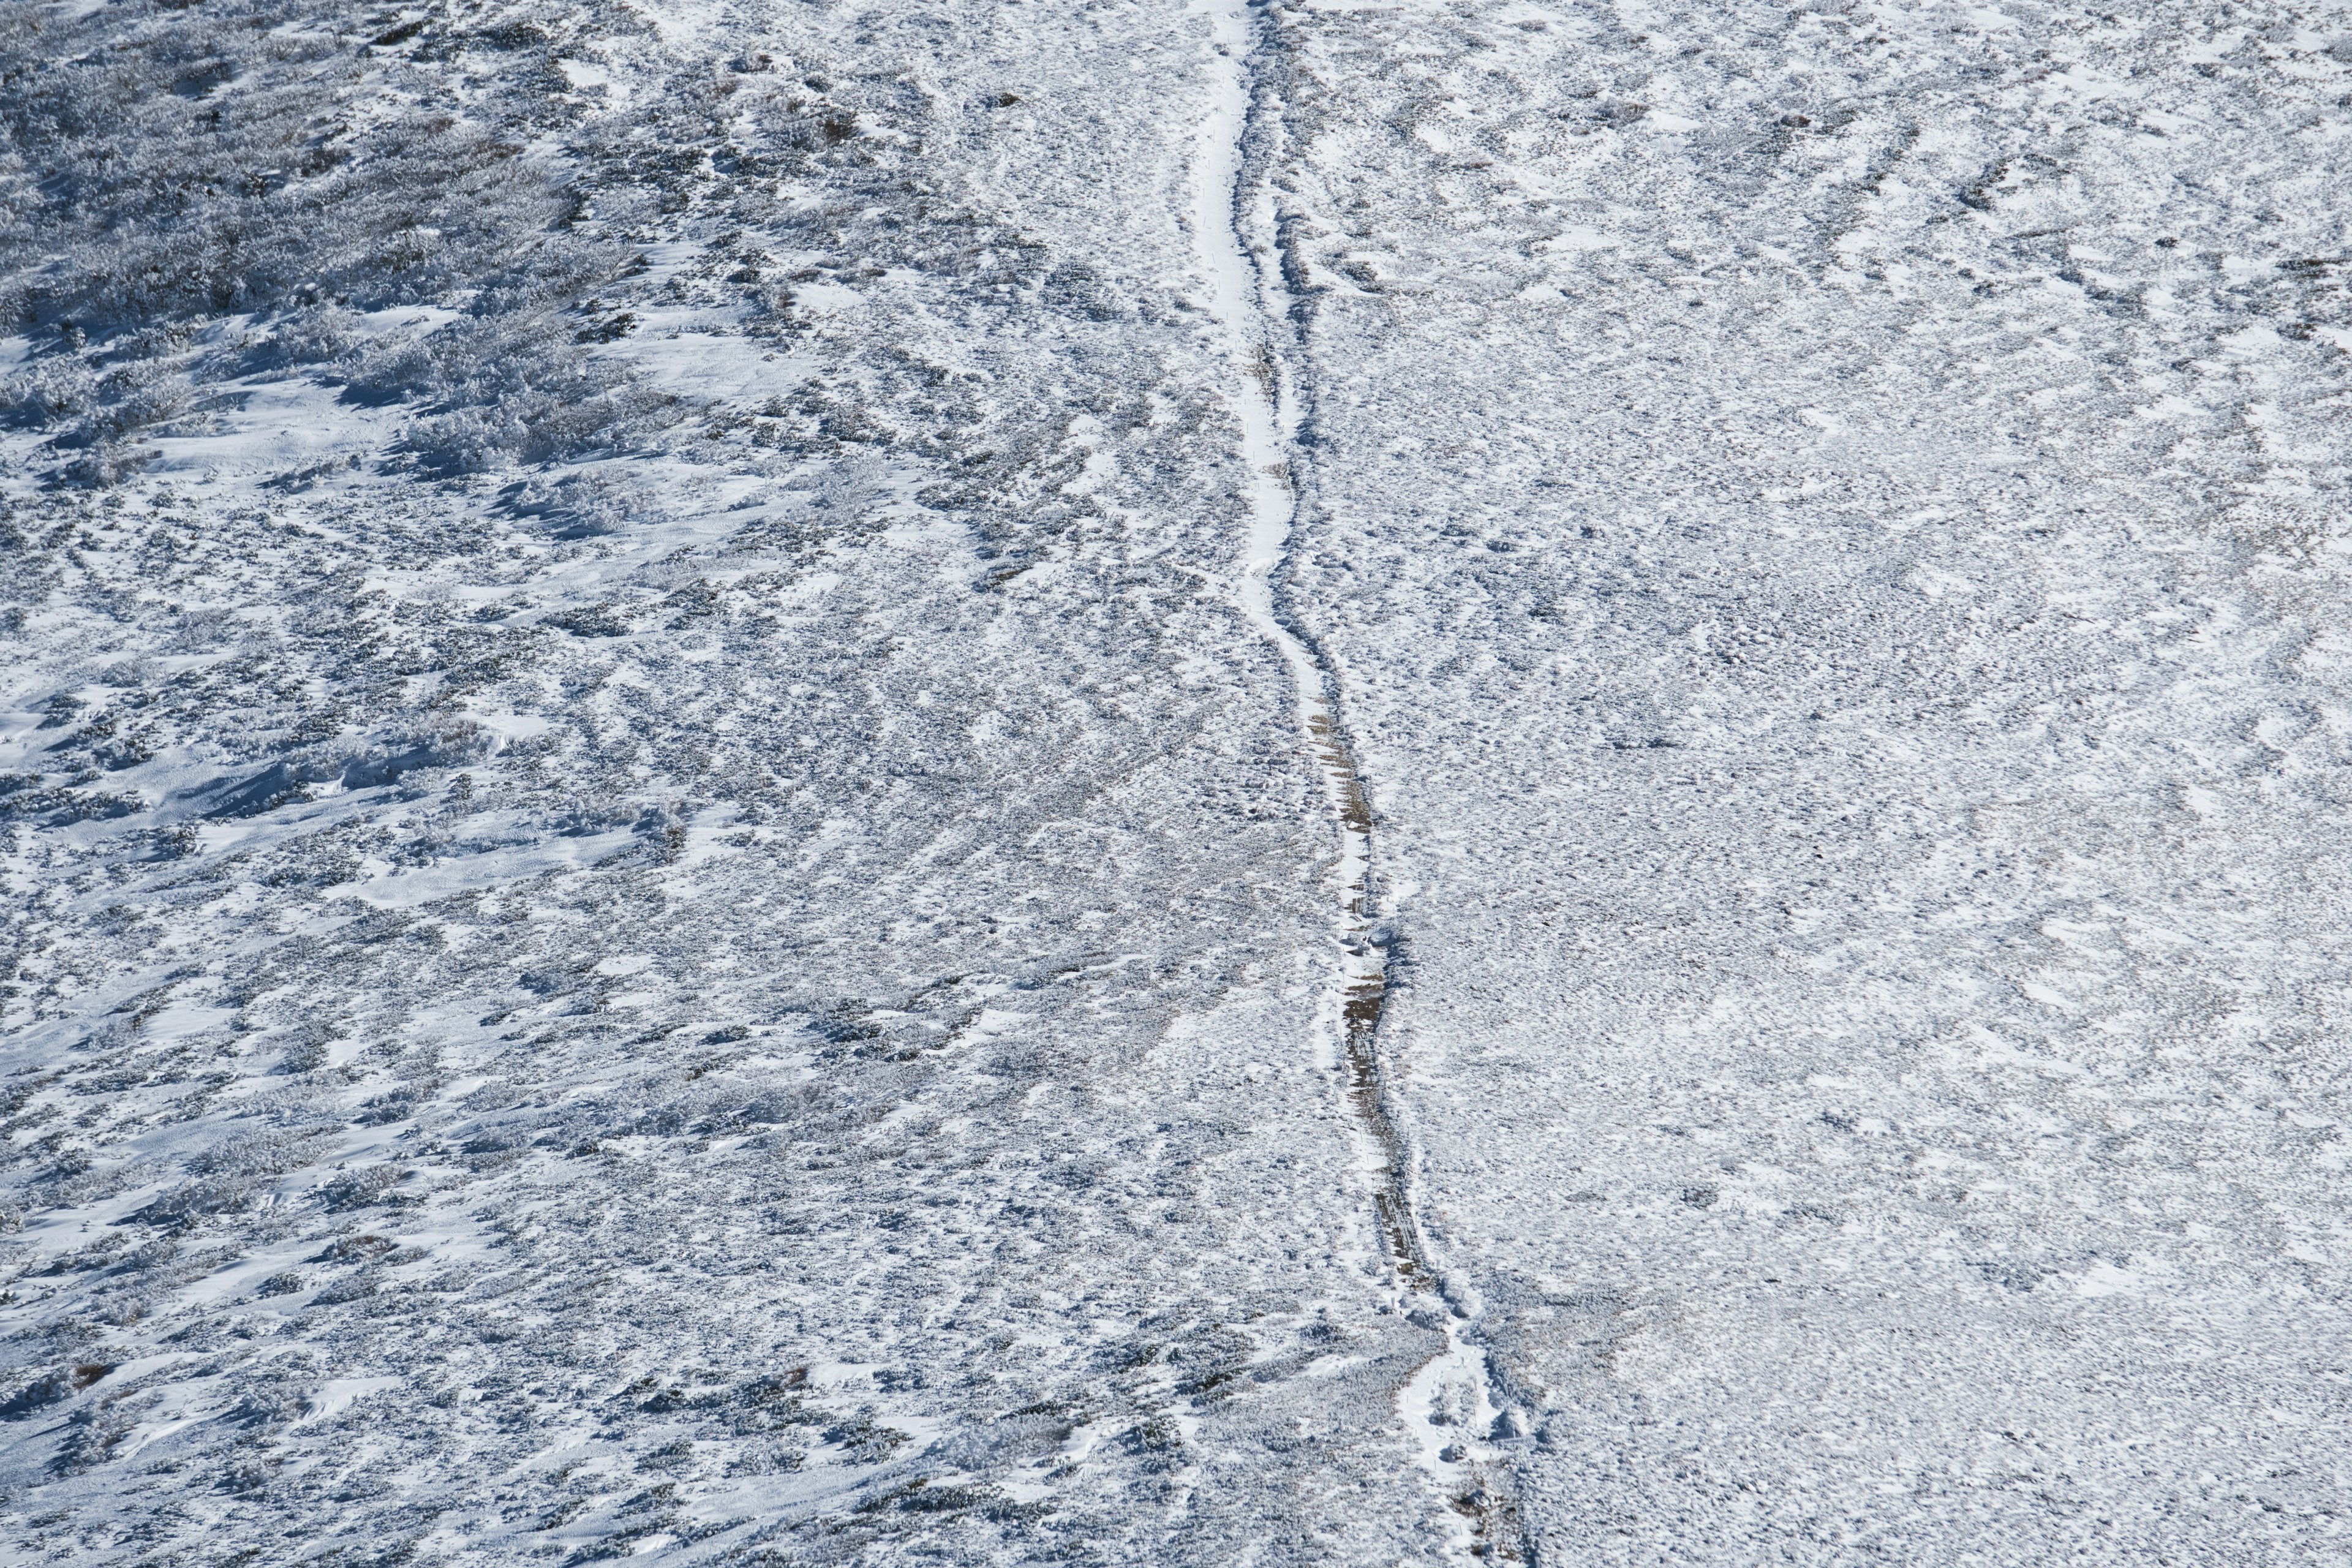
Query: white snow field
{"points": [[886, 782]]}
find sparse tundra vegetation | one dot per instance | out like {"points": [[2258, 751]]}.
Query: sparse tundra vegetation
{"points": [[1137, 782]]}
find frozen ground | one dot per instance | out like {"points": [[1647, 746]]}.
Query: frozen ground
{"points": [[1114, 782]]}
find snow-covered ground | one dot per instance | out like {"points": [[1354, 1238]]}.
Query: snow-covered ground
{"points": [[1174, 783]]}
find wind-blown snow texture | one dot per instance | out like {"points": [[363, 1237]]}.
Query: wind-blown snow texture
{"points": [[752, 814]]}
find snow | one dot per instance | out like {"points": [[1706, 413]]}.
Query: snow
{"points": [[1180, 784]]}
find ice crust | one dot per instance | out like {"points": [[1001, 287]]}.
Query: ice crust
{"points": [[1173, 783]]}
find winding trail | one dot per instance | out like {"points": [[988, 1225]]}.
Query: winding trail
{"points": [[1447, 1407]]}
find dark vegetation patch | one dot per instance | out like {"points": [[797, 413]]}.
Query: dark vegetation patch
{"points": [[192, 194]]}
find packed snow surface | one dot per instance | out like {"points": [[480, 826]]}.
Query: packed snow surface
{"points": [[820, 781]]}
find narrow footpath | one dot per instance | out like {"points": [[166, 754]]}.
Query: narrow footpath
{"points": [[1447, 1406]]}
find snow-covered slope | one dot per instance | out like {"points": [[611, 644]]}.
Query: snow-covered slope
{"points": [[1833, 522], [746, 987], [816, 783]]}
